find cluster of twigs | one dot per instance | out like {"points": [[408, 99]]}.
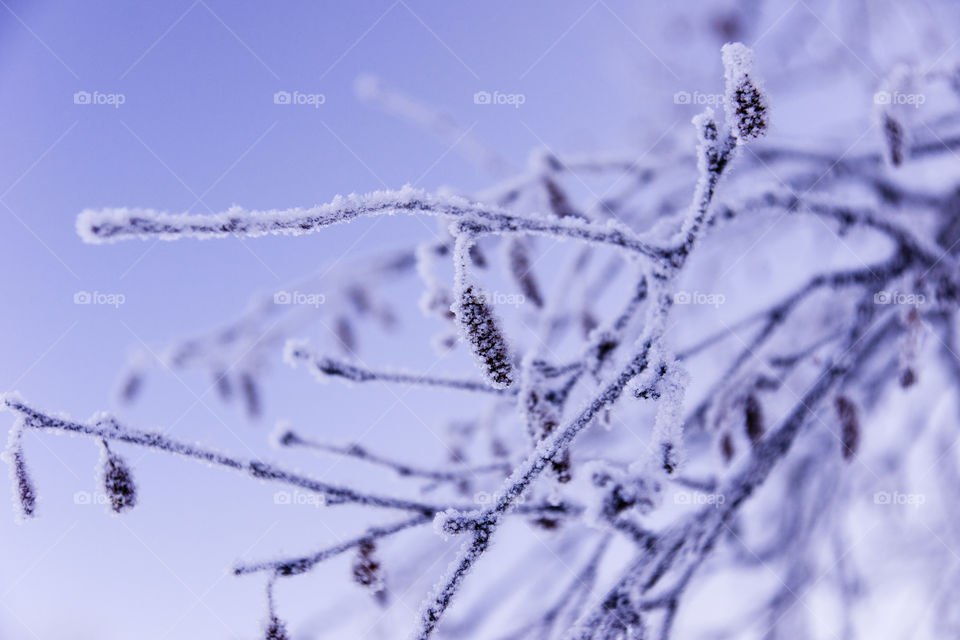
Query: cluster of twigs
{"points": [[726, 436]]}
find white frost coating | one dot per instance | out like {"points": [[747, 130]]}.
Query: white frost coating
{"points": [[110, 225], [113, 224], [324, 368], [668, 426]]}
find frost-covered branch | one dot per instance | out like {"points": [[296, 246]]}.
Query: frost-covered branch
{"points": [[324, 367], [289, 438], [302, 564], [110, 430], [111, 225]]}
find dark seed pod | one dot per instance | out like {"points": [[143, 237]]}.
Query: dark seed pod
{"points": [[251, 394], [477, 257], [360, 299], [545, 523], [849, 426], [669, 461], [561, 468], [222, 383], [726, 448], [907, 377], [118, 481], [895, 136], [25, 498], [366, 567], [521, 269], [479, 326], [276, 629], [131, 387], [753, 418], [559, 203], [345, 334]]}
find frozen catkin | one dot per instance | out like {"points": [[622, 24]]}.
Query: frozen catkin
{"points": [[541, 412], [131, 387], [117, 480], [910, 345], [558, 201], [478, 325], [849, 426], [366, 569], [276, 629], [894, 115], [744, 100], [753, 418], [251, 394], [24, 495], [521, 268]]}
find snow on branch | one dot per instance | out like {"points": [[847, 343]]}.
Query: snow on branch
{"points": [[288, 438], [296, 566], [297, 351], [110, 225], [113, 431]]}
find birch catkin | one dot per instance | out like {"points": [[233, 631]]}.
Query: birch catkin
{"points": [[478, 325], [117, 479]]}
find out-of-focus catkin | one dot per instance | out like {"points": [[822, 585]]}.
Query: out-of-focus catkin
{"points": [[118, 484]]}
